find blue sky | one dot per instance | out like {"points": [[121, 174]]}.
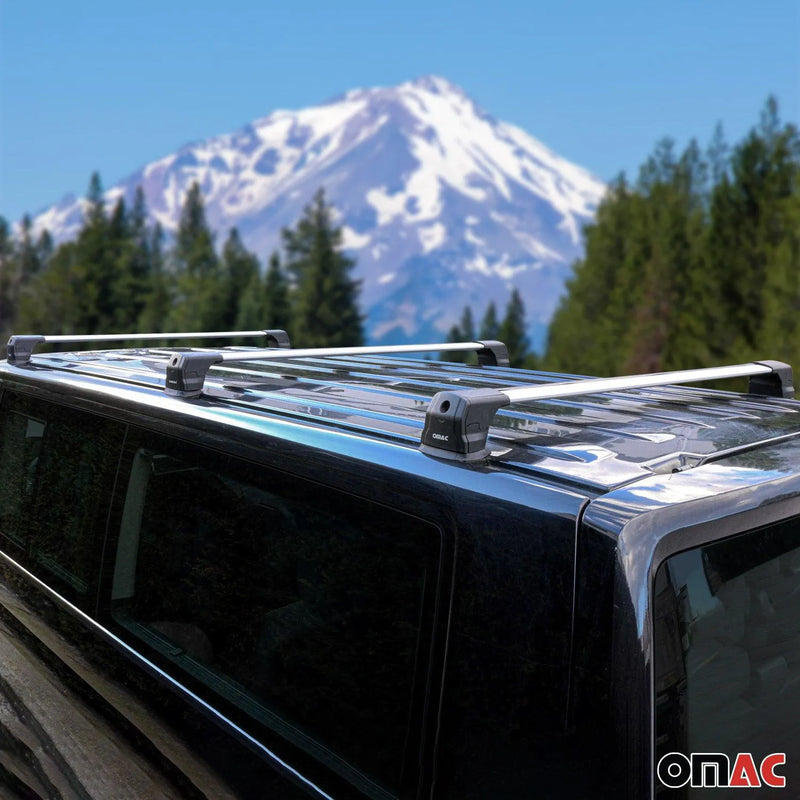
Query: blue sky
{"points": [[88, 85]]}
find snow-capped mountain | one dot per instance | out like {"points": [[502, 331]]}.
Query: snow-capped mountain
{"points": [[441, 204]]}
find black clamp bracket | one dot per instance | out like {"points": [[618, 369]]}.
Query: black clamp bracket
{"points": [[278, 338], [20, 349], [457, 423], [778, 383], [186, 373], [495, 354]]}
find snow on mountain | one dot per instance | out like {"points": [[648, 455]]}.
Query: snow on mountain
{"points": [[441, 204]]}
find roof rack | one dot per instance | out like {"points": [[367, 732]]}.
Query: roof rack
{"points": [[186, 372], [20, 348], [457, 421]]}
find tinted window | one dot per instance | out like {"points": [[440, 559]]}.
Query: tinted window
{"points": [[305, 611], [21, 438], [57, 468], [727, 657], [505, 690]]}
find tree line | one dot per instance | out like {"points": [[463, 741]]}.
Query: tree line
{"points": [[117, 276], [696, 264], [510, 330]]}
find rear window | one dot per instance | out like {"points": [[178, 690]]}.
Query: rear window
{"points": [[727, 657], [57, 470], [306, 611]]}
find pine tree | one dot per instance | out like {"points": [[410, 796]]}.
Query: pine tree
{"points": [[277, 310], [717, 155], [670, 210], [747, 226], [28, 261], [251, 314], [779, 331], [490, 327], [324, 299], [61, 299], [44, 249], [464, 331], [200, 285], [119, 246], [779, 337], [130, 242], [454, 335], [240, 268], [588, 332], [118, 223], [157, 302], [8, 280], [95, 262], [679, 273], [512, 331], [467, 326], [265, 303], [682, 222]]}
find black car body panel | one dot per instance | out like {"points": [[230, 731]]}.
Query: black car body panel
{"points": [[270, 591]]}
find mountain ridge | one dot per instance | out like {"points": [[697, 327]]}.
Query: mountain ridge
{"points": [[442, 204]]}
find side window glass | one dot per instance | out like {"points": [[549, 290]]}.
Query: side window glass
{"points": [[20, 448], [307, 609], [57, 468], [727, 648]]}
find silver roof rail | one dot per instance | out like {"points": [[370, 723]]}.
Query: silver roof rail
{"points": [[186, 372], [457, 421], [20, 348]]}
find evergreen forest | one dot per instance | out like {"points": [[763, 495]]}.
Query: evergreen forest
{"points": [[696, 263], [117, 276]]}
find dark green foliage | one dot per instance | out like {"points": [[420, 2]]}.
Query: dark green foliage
{"points": [[251, 314], [696, 263], [717, 155], [29, 262], [585, 331], [100, 283], [324, 297], [512, 331], [695, 266], [94, 259], [8, 280], [490, 327], [463, 332], [44, 249], [157, 299], [467, 326], [751, 218], [61, 299], [454, 335], [240, 268], [265, 303], [129, 240], [201, 290], [277, 310], [116, 277]]}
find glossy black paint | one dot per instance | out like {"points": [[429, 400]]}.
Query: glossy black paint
{"points": [[643, 525], [509, 562], [538, 674], [595, 443]]}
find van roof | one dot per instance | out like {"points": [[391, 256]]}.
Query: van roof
{"points": [[598, 441]]}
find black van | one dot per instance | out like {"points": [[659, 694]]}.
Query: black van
{"points": [[346, 573]]}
